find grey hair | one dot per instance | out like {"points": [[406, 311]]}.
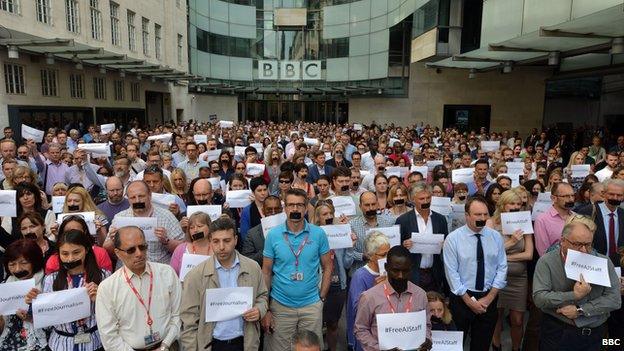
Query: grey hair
{"points": [[373, 241], [569, 227], [418, 187], [305, 338], [55, 145], [597, 187], [613, 181]]}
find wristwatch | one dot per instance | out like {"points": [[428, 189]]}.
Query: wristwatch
{"points": [[579, 310], [323, 299]]}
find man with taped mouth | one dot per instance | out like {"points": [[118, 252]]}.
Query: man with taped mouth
{"points": [[168, 231]]}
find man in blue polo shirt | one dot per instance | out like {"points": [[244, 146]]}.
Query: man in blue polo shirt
{"points": [[293, 252]]}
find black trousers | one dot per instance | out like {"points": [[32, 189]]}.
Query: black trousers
{"points": [[229, 345], [479, 326], [558, 336], [616, 326]]}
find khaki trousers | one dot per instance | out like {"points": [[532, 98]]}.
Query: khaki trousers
{"points": [[289, 320]]}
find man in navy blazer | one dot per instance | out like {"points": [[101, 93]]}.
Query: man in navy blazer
{"points": [[427, 270], [319, 167]]}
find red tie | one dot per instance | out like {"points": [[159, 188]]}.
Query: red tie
{"points": [[612, 243]]}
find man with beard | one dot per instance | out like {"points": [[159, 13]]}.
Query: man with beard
{"points": [[548, 225], [167, 234], [115, 201], [397, 295]]}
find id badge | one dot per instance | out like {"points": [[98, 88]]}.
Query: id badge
{"points": [[296, 276], [152, 338], [82, 338]]}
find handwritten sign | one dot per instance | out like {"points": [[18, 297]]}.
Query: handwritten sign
{"points": [[424, 170], [458, 211], [311, 141], [258, 146], [147, 224], [515, 167], [57, 203], [544, 197], [8, 203], [239, 151], [432, 163], [343, 205], [441, 205], [512, 221], [580, 171], [400, 172], [165, 138], [238, 198], [200, 138], [392, 233], [339, 236], [254, 169], [96, 149], [406, 331], [226, 124], [357, 126], [32, 133], [61, 307], [190, 261], [223, 304], [213, 211], [447, 340], [163, 200], [211, 155], [107, 128], [594, 269], [271, 222], [427, 243], [462, 175], [12, 296], [539, 208], [490, 146]]}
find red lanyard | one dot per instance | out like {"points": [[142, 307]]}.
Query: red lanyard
{"points": [[409, 302], [298, 253], [149, 303]]}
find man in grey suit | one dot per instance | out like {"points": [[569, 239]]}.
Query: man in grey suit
{"points": [[428, 269], [254, 242]]}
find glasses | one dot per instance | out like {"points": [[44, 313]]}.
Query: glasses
{"points": [[579, 245], [284, 181], [154, 169], [132, 250]]}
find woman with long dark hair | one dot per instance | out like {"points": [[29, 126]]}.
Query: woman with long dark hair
{"points": [[79, 268], [29, 199]]}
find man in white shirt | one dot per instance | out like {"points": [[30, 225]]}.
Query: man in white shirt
{"points": [[369, 180], [153, 158], [607, 172], [136, 163], [138, 306]]}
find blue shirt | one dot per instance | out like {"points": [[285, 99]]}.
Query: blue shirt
{"points": [[605, 219], [460, 259], [228, 278], [472, 187], [349, 152], [284, 289]]}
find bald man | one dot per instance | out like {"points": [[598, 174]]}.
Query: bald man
{"points": [[115, 201]]}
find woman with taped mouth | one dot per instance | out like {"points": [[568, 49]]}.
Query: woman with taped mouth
{"points": [[78, 269], [33, 227], [79, 200], [23, 260], [197, 240]]}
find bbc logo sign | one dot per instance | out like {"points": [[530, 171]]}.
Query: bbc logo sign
{"points": [[289, 70]]}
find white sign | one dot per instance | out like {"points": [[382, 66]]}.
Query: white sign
{"points": [[213, 211], [459, 211], [238, 198], [357, 126], [57, 203], [512, 221], [289, 70], [400, 172], [339, 236], [223, 304], [163, 200], [515, 178], [427, 243], [424, 170], [544, 197], [89, 218], [226, 124], [190, 261], [107, 128], [61, 307], [215, 182], [392, 233], [311, 141], [8, 203], [32, 133], [515, 167], [147, 224], [96, 149], [343, 205], [12, 296], [211, 155], [382, 265], [594, 269], [580, 171], [200, 138], [254, 169], [239, 151], [165, 138], [441, 205], [462, 175], [539, 208], [405, 331], [271, 222], [432, 163], [258, 146], [490, 146], [447, 340]]}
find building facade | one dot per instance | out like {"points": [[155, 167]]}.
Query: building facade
{"points": [[77, 62]]}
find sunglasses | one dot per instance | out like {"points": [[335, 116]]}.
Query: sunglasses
{"points": [[284, 181], [132, 250]]}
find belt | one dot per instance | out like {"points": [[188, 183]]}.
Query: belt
{"points": [[71, 335], [580, 330], [153, 347], [477, 294], [238, 340]]}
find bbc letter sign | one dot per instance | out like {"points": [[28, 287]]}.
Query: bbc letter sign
{"points": [[289, 70]]}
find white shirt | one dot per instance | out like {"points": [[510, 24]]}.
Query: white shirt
{"points": [[426, 260], [139, 175], [122, 320], [604, 174]]}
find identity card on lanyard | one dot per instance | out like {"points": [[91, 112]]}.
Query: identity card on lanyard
{"points": [[296, 275], [81, 337], [152, 338]]}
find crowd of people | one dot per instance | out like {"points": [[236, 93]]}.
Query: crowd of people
{"points": [[254, 201]]}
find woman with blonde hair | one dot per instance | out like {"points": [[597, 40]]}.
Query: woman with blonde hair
{"points": [[179, 187], [23, 174], [197, 240], [338, 157], [397, 200], [519, 249], [441, 317], [78, 199]]}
